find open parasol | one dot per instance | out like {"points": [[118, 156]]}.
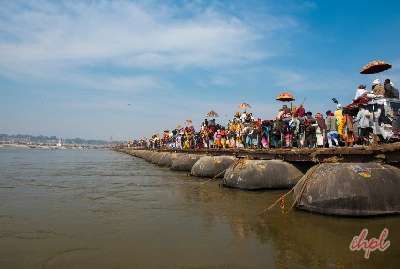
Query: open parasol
{"points": [[285, 97], [244, 105], [212, 114], [375, 67]]}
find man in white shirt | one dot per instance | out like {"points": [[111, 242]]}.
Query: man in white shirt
{"points": [[360, 91], [243, 117]]}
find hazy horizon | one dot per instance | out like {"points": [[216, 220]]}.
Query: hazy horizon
{"points": [[58, 137]]}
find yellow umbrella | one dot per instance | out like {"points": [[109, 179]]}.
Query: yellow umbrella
{"points": [[285, 97]]}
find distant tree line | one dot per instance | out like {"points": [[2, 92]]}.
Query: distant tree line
{"points": [[42, 139]]}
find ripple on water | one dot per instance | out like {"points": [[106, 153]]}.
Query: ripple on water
{"points": [[68, 258]]}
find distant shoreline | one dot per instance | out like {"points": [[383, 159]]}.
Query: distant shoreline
{"points": [[52, 147]]}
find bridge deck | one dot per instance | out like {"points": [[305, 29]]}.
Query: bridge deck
{"points": [[389, 153]]}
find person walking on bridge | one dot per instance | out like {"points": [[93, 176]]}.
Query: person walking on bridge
{"points": [[331, 129]]}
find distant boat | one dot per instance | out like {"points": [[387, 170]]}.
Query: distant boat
{"points": [[60, 144]]}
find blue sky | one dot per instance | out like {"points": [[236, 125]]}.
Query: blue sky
{"points": [[70, 68]]}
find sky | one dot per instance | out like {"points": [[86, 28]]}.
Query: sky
{"points": [[129, 69]]}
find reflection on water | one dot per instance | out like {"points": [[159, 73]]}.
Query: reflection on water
{"points": [[101, 209]]}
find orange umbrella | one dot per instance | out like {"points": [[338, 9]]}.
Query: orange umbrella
{"points": [[375, 67], [285, 97], [244, 105], [212, 114]]}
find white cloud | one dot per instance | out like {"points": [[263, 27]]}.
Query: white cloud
{"points": [[46, 39], [134, 46]]}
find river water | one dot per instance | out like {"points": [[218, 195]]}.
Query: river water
{"points": [[103, 209]]}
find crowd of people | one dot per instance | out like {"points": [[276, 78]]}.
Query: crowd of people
{"points": [[293, 126]]}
